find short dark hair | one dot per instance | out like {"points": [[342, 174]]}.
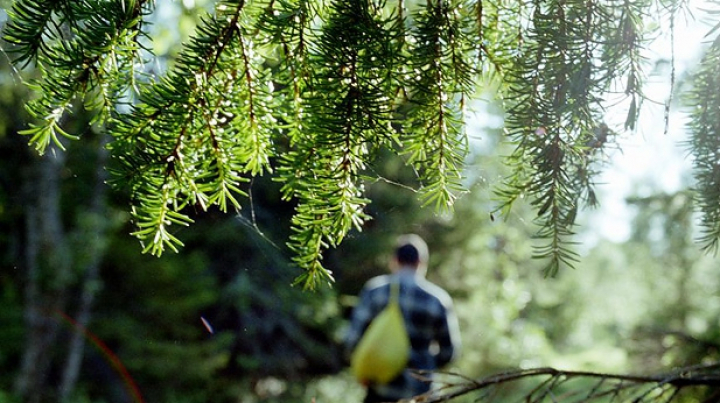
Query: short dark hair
{"points": [[407, 254], [411, 250]]}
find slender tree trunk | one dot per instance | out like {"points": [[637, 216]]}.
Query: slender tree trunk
{"points": [[48, 273], [96, 235]]}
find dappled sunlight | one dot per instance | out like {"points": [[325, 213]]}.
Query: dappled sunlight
{"points": [[193, 193]]}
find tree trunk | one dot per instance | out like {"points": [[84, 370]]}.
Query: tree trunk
{"points": [[48, 273], [95, 233]]}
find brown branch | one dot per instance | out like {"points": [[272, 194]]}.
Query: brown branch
{"points": [[607, 384]]}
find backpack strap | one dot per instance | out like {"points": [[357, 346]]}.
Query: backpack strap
{"points": [[394, 291]]}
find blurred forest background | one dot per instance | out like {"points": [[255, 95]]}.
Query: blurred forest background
{"points": [[219, 321]]}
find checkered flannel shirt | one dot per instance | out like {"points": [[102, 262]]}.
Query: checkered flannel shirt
{"points": [[430, 322]]}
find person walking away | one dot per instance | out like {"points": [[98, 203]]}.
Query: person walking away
{"points": [[428, 316]]}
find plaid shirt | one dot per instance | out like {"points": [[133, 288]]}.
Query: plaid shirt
{"points": [[430, 322]]}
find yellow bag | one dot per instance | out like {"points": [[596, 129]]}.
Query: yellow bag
{"points": [[384, 349]]}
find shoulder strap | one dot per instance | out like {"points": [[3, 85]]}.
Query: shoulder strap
{"points": [[394, 291]]}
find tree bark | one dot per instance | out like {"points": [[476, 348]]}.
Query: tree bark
{"points": [[96, 234], [47, 274]]}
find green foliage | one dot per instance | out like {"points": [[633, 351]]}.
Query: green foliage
{"points": [[635, 307], [680, 328], [558, 78], [704, 144], [151, 318], [348, 111], [639, 307], [309, 91], [6, 397], [83, 49], [12, 334]]}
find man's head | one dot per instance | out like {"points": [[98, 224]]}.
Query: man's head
{"points": [[411, 251]]}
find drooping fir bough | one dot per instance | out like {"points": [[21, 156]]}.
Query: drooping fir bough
{"points": [[309, 91]]}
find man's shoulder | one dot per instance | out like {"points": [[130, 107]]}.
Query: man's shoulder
{"points": [[435, 291], [377, 282], [431, 290]]}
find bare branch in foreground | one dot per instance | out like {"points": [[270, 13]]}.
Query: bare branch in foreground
{"points": [[536, 385]]}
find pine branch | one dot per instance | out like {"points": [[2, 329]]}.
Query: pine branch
{"points": [[202, 128], [555, 106], [80, 53], [32, 27], [309, 90], [349, 106], [704, 144], [443, 44], [582, 386]]}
